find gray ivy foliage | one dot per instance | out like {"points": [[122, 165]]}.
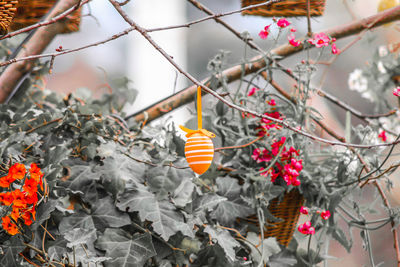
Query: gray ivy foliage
{"points": [[122, 195]]}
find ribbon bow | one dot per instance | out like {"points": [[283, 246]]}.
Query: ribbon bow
{"points": [[199, 120]]}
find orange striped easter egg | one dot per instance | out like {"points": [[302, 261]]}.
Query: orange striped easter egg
{"points": [[199, 152]]}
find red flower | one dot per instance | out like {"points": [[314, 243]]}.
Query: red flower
{"points": [[9, 226], [17, 171], [335, 50], [271, 102], [306, 228], [383, 136], [396, 91], [283, 23], [325, 214], [252, 91]]}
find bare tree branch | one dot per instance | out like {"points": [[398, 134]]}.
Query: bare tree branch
{"points": [[257, 63], [39, 41]]}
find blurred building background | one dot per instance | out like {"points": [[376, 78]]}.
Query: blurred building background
{"points": [[193, 47]]}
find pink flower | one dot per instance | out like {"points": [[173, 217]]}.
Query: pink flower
{"points": [[283, 23], [252, 91], [306, 228], [271, 102], [334, 49], [382, 136], [293, 30], [256, 154], [304, 210], [325, 214], [320, 40], [396, 91], [292, 40], [264, 33]]}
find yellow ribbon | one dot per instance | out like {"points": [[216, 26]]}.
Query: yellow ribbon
{"points": [[199, 120]]}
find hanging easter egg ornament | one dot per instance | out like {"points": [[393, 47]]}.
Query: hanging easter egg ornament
{"points": [[199, 149]]}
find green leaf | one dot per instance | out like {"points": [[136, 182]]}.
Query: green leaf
{"points": [[105, 214], [124, 250], [167, 221], [225, 240]]}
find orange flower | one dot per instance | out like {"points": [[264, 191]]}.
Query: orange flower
{"points": [[15, 214], [27, 218], [36, 173], [17, 171], [5, 181], [6, 198], [19, 199], [30, 187], [31, 199], [9, 226]]}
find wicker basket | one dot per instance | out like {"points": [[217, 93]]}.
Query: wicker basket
{"points": [[288, 8], [31, 11], [7, 12], [288, 210]]}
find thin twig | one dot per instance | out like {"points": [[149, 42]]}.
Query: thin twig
{"points": [[234, 73], [239, 146], [46, 22]]}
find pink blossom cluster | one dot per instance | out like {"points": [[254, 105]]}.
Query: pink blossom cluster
{"points": [[325, 214], [267, 124], [321, 39], [288, 167], [281, 23], [306, 228]]}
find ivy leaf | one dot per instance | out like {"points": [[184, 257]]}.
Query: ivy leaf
{"points": [[105, 214], [10, 256], [227, 211], [79, 236], [77, 220], [207, 201], [340, 236], [82, 181], [163, 180], [183, 193], [283, 259], [124, 250], [271, 247], [167, 221], [225, 240], [57, 249], [43, 213]]}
